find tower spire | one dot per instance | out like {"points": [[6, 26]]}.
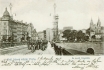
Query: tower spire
{"points": [[98, 23]]}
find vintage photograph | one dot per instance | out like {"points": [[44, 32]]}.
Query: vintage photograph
{"points": [[52, 27]]}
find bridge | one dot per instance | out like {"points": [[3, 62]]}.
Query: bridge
{"points": [[96, 48]]}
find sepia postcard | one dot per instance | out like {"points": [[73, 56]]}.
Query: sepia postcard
{"points": [[51, 34]]}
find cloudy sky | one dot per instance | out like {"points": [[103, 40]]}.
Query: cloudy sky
{"points": [[76, 13]]}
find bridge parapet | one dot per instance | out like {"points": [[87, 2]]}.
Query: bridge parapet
{"points": [[96, 48]]}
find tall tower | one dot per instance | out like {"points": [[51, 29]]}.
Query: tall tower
{"points": [[10, 9], [98, 30], [91, 24], [55, 25], [98, 23]]}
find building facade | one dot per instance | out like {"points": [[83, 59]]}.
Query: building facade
{"points": [[30, 30], [13, 29], [35, 35], [41, 35], [96, 30], [49, 34]]}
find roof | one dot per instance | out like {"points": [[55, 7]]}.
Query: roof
{"points": [[6, 13]]}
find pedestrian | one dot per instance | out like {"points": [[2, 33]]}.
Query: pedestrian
{"points": [[60, 49], [37, 44], [55, 48], [40, 44], [52, 43], [63, 51]]}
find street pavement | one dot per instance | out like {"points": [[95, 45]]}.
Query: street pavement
{"points": [[23, 50]]}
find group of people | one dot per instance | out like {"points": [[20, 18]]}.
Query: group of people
{"points": [[45, 45], [37, 45]]}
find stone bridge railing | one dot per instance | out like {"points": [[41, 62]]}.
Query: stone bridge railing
{"points": [[88, 47]]}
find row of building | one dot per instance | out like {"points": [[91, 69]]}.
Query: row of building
{"points": [[95, 29], [48, 34], [55, 34], [14, 29], [20, 31]]}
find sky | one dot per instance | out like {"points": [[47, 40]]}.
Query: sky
{"points": [[75, 13]]}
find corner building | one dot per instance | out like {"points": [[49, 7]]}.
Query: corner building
{"points": [[12, 28]]}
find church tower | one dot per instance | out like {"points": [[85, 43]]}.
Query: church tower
{"points": [[98, 26], [98, 23], [91, 24]]}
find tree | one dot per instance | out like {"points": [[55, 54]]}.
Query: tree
{"points": [[86, 38], [80, 36], [66, 34], [73, 35]]}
